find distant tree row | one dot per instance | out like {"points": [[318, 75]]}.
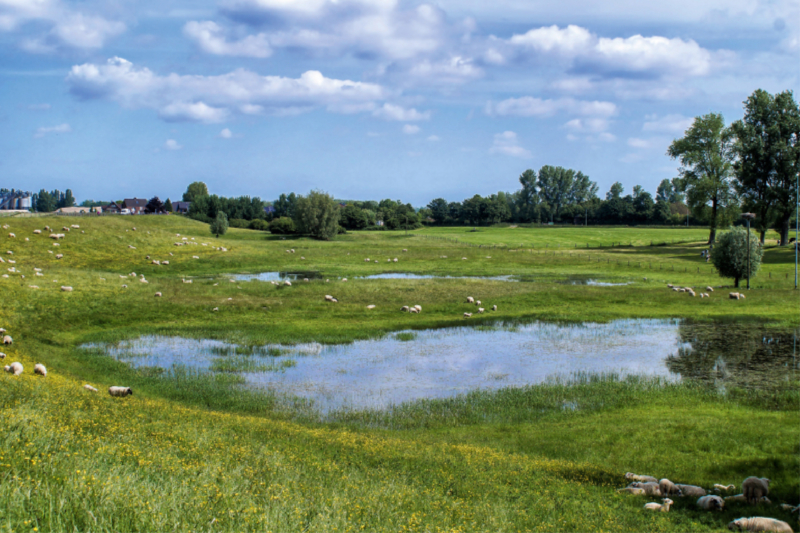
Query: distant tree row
{"points": [[46, 202]]}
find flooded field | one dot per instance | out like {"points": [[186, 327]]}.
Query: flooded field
{"points": [[411, 365], [294, 276]]}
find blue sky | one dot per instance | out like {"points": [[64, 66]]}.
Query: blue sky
{"points": [[370, 99]]}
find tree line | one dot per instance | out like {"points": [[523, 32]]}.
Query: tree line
{"points": [[45, 202]]}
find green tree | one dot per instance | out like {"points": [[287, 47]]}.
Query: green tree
{"points": [[439, 210], [353, 218], [45, 203], [529, 201], [69, 200], [559, 187], [768, 145], [317, 215], [706, 154], [194, 191], [282, 226], [168, 206], [729, 255], [615, 192], [155, 205], [219, 226]]}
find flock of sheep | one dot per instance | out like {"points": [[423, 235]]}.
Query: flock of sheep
{"points": [[754, 491], [690, 291]]}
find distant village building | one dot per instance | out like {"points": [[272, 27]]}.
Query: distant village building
{"points": [[77, 210], [134, 206], [181, 207], [15, 200], [113, 208]]}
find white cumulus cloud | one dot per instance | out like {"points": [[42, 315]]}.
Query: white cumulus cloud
{"points": [[172, 144], [667, 123], [528, 106], [399, 113], [506, 143], [410, 129], [226, 134], [211, 38], [212, 98], [46, 130]]}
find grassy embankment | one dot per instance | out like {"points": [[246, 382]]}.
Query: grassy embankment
{"points": [[190, 452]]}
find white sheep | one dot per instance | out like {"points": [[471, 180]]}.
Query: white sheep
{"points": [[710, 288], [667, 487], [215, 309], [370, 307], [404, 309], [344, 279], [733, 295], [480, 310], [717, 486], [120, 391], [739, 498], [663, 507], [37, 232], [691, 491], [494, 308], [477, 302], [405, 250], [156, 262], [418, 308], [395, 260], [2, 355], [754, 488], [66, 289], [414, 310], [165, 262], [367, 260], [89, 388], [12, 236], [158, 295], [470, 300], [650, 488], [40, 369], [711, 503], [287, 283], [467, 315], [14, 368], [7, 339], [328, 297], [59, 256], [632, 490], [759, 523]]}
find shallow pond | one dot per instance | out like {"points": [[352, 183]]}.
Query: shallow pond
{"points": [[410, 365], [294, 276]]}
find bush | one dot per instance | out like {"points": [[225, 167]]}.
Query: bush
{"points": [[341, 231], [282, 226], [729, 254], [259, 224], [220, 224], [238, 223]]}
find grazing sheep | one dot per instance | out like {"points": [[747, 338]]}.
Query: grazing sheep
{"points": [[494, 308], [287, 283], [667, 487], [156, 262], [124, 286], [165, 262], [467, 315], [405, 250], [759, 523], [305, 279], [789, 507], [215, 309], [404, 309], [710, 289], [37, 232], [650, 487], [470, 300], [7, 339], [66, 289], [40, 369], [663, 507], [463, 258], [724, 487], [158, 295], [414, 310], [11, 236], [477, 302], [692, 491], [59, 256], [14, 368], [395, 260], [711, 503], [739, 498], [2, 355], [734, 295], [370, 307], [632, 490], [630, 476], [195, 257], [754, 488], [89, 388], [344, 279], [367, 260], [328, 297], [120, 391], [418, 308], [480, 310]]}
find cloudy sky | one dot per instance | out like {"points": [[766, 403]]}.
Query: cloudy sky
{"points": [[370, 99]]}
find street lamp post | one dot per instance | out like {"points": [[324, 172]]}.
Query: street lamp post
{"points": [[748, 217]]}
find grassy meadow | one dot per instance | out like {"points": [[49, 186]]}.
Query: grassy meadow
{"points": [[196, 451]]}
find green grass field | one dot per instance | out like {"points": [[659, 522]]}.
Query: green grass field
{"points": [[194, 452]]}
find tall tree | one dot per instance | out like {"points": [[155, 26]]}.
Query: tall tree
{"points": [[69, 200], [168, 206], [706, 154], [45, 203], [768, 145], [219, 226], [195, 190], [559, 187], [439, 211], [317, 215], [615, 192], [529, 196]]}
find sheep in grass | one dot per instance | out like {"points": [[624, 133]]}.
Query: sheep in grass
{"points": [[215, 309], [370, 307], [158, 295], [40, 369], [691, 491], [650, 488], [662, 507], [632, 490], [711, 503], [710, 288], [89, 388], [759, 523], [287, 283], [414, 310], [789, 507], [739, 498], [404, 309], [418, 308], [66, 289], [11, 236], [667, 487], [14, 368], [467, 315], [2, 355], [718, 487], [480, 310], [7, 339], [754, 488], [328, 297], [37, 232], [120, 391], [734, 295], [59, 256], [478, 302], [470, 300]]}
